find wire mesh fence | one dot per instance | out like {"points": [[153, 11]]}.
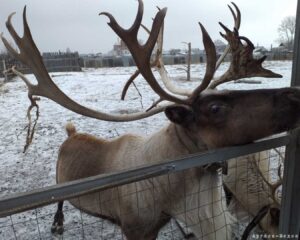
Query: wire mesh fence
{"points": [[54, 62], [194, 198]]}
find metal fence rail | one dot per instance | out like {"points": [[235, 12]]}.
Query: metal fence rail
{"points": [[45, 196], [290, 209]]}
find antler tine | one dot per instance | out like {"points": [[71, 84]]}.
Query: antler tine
{"points": [[13, 34], [237, 23], [211, 58], [137, 72], [142, 54], [162, 70], [128, 83], [132, 32], [237, 16], [159, 65], [249, 43], [30, 56], [272, 186], [157, 27]]}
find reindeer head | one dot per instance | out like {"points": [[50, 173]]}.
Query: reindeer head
{"points": [[217, 118], [223, 118]]}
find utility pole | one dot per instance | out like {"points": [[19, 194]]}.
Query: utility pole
{"points": [[4, 71], [189, 60]]}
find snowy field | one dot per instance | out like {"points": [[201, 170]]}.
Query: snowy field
{"points": [[95, 88]]}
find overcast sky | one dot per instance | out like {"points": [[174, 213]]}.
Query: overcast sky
{"points": [[75, 24]]}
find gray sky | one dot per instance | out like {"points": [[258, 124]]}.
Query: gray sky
{"points": [[57, 25]]}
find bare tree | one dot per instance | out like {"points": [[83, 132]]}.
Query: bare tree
{"points": [[286, 31]]}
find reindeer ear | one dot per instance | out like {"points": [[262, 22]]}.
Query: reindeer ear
{"points": [[179, 114]]}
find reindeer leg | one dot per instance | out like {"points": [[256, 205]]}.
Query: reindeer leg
{"points": [[58, 223], [228, 194], [183, 232], [162, 221]]}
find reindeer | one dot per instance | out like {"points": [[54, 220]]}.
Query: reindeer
{"points": [[205, 119], [250, 192], [245, 183]]}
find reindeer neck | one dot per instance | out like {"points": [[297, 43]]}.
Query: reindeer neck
{"points": [[186, 138], [171, 142]]}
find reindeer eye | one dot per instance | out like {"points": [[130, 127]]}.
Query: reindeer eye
{"points": [[215, 108]]}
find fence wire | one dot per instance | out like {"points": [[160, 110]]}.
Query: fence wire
{"points": [[196, 203]]}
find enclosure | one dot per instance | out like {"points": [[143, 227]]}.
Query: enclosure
{"points": [[30, 173], [27, 207]]}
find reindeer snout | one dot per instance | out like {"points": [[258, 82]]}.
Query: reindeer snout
{"points": [[294, 95], [286, 109]]}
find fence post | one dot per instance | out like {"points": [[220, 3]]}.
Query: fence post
{"points": [[4, 71], [290, 209]]}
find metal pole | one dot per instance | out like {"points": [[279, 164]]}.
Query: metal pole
{"points": [[290, 210], [40, 197], [4, 71]]}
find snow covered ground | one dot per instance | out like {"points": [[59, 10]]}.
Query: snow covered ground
{"points": [[95, 88]]}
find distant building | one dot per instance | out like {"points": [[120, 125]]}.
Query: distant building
{"points": [[198, 56], [120, 49], [220, 46], [260, 51], [280, 53], [178, 56], [121, 56], [174, 51]]}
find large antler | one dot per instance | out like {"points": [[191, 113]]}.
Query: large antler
{"points": [[162, 70], [243, 64], [211, 58], [159, 64], [185, 92], [30, 56], [152, 63], [142, 53]]}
